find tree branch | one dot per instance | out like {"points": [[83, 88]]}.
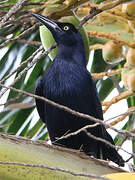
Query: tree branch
{"points": [[12, 11]]}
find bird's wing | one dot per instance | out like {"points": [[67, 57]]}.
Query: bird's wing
{"points": [[39, 103], [87, 101], [100, 131]]}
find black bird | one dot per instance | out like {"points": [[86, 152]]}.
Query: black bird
{"points": [[68, 83]]}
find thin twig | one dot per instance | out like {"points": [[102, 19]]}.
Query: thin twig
{"points": [[12, 11], [13, 100], [107, 74], [23, 63], [116, 84], [19, 20], [119, 119], [93, 137], [122, 116], [11, 30], [23, 41], [26, 4], [121, 143], [73, 112], [111, 37], [21, 35], [94, 11], [29, 65], [129, 158], [108, 143], [130, 110], [123, 95], [18, 68]]}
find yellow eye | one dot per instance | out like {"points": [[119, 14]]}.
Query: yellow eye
{"points": [[66, 28]]}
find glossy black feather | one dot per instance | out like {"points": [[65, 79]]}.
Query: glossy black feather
{"points": [[68, 83]]}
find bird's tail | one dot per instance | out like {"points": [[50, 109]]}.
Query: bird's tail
{"points": [[109, 152]]}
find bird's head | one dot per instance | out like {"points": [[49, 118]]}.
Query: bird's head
{"points": [[63, 33]]}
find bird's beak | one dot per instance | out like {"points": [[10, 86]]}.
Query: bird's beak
{"points": [[51, 25]]}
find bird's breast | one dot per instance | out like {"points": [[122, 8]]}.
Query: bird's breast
{"points": [[64, 79]]}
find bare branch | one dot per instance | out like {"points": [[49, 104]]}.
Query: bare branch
{"points": [[111, 37], [12, 11], [28, 67], [73, 112], [108, 73], [94, 11], [14, 100], [23, 41], [23, 63], [21, 35], [94, 137], [123, 95]]}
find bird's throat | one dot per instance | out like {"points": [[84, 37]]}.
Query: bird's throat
{"points": [[74, 54]]}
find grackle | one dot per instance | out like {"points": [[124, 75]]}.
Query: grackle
{"points": [[68, 83]]}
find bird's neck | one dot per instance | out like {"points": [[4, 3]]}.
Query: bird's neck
{"points": [[73, 53]]}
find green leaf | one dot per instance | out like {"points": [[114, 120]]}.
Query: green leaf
{"points": [[105, 87], [18, 119], [23, 133], [5, 119], [34, 129], [98, 1], [37, 71], [98, 63]]}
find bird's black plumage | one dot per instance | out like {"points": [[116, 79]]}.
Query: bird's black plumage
{"points": [[68, 83]]}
